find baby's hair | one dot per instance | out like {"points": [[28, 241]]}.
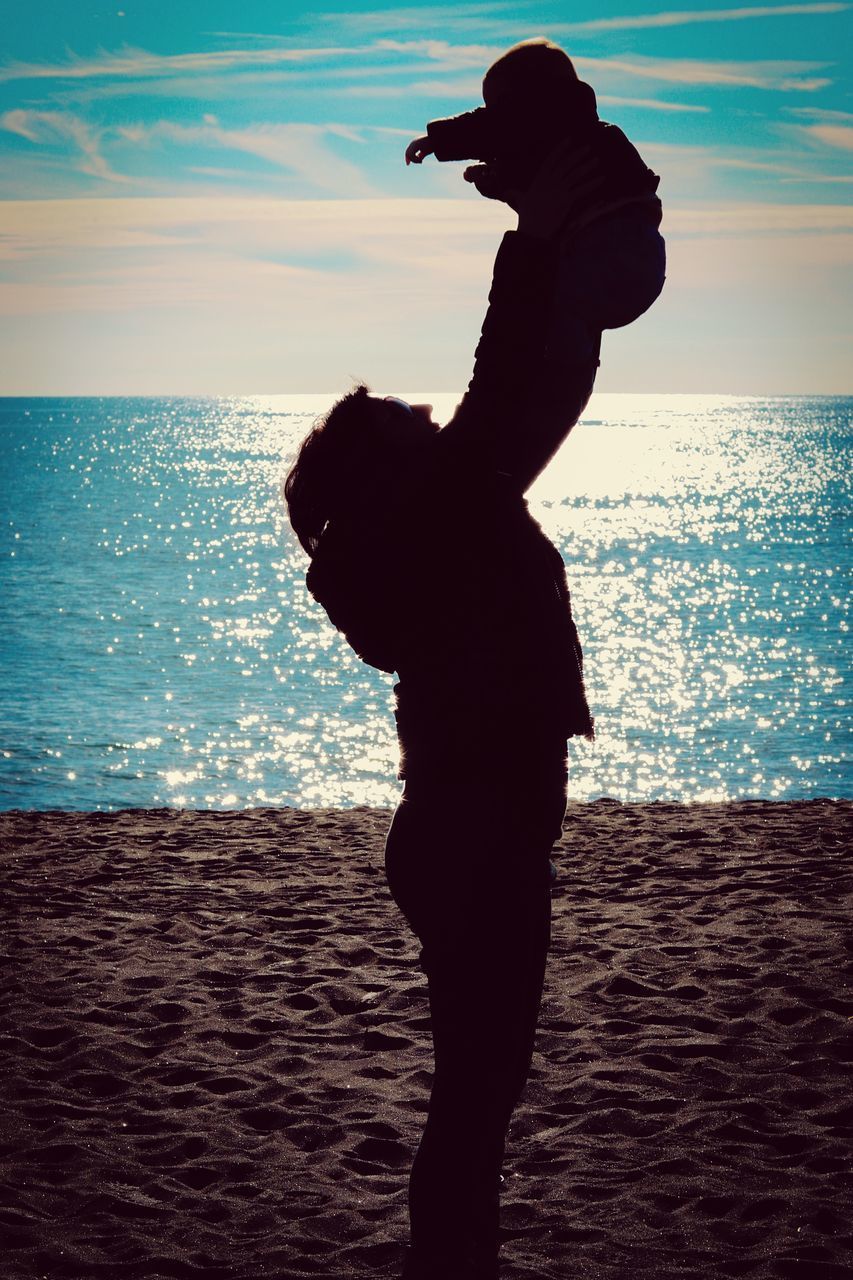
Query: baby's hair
{"points": [[529, 64]]}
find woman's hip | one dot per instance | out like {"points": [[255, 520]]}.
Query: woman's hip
{"points": [[469, 868]]}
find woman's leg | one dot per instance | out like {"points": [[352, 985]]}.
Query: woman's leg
{"points": [[473, 880], [484, 1002]]}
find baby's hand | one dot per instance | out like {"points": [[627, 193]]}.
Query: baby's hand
{"points": [[417, 150]]}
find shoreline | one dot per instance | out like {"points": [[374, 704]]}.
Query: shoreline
{"points": [[19, 812], [216, 1047]]}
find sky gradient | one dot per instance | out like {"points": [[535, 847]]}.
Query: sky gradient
{"points": [[210, 198]]}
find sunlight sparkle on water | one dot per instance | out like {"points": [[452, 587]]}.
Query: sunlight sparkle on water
{"points": [[168, 651]]}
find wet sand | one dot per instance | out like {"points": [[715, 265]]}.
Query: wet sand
{"points": [[216, 1058]]}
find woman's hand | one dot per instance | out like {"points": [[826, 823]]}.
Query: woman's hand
{"points": [[569, 173], [488, 181]]}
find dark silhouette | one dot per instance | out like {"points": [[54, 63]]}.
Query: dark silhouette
{"points": [[425, 556], [533, 101]]}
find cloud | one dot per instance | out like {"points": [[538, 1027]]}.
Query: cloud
{"points": [[784, 76], [832, 135], [469, 88], [300, 148], [759, 219], [139, 64], [43, 126], [226, 295], [214, 74], [682, 17], [457, 16], [688, 169], [242, 85], [832, 128], [466, 17], [178, 252], [449, 55], [823, 178], [777, 75], [769, 271], [252, 225], [650, 103], [368, 227], [363, 76], [821, 113]]}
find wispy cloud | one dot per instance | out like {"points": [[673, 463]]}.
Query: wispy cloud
{"points": [[216, 73], [778, 75], [784, 76], [255, 84], [760, 219], [822, 114], [467, 17], [300, 148], [45, 126], [831, 128], [392, 246], [832, 135], [823, 179], [443, 17], [235, 73], [303, 257], [305, 227], [443, 51], [221, 295], [468, 88], [691, 168], [683, 17], [303, 150], [139, 64], [650, 104]]}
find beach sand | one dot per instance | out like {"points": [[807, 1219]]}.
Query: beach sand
{"points": [[216, 1055]]}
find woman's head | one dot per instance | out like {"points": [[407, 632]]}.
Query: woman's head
{"points": [[349, 456]]}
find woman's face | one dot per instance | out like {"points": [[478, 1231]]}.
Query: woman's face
{"points": [[402, 425]]}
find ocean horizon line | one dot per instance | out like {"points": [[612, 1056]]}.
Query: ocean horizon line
{"points": [[433, 391]]}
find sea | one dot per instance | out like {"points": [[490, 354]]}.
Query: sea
{"points": [[158, 647]]}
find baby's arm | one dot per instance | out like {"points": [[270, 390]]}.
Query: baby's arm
{"points": [[465, 137]]}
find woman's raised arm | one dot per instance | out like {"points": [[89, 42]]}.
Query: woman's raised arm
{"points": [[500, 426]]}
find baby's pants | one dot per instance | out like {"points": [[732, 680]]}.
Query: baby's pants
{"points": [[471, 874], [610, 272]]}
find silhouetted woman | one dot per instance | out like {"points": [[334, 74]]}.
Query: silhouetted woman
{"points": [[424, 555]]}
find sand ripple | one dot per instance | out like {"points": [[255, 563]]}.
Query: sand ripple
{"points": [[215, 1049]]}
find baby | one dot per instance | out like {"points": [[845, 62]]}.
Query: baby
{"points": [[613, 258]]}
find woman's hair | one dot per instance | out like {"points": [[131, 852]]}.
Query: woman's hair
{"points": [[331, 460]]}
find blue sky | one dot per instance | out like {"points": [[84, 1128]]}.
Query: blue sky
{"points": [[211, 197]]}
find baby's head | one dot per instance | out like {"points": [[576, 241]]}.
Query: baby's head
{"points": [[536, 69]]}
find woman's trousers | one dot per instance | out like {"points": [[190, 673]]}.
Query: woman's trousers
{"points": [[471, 873]]}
